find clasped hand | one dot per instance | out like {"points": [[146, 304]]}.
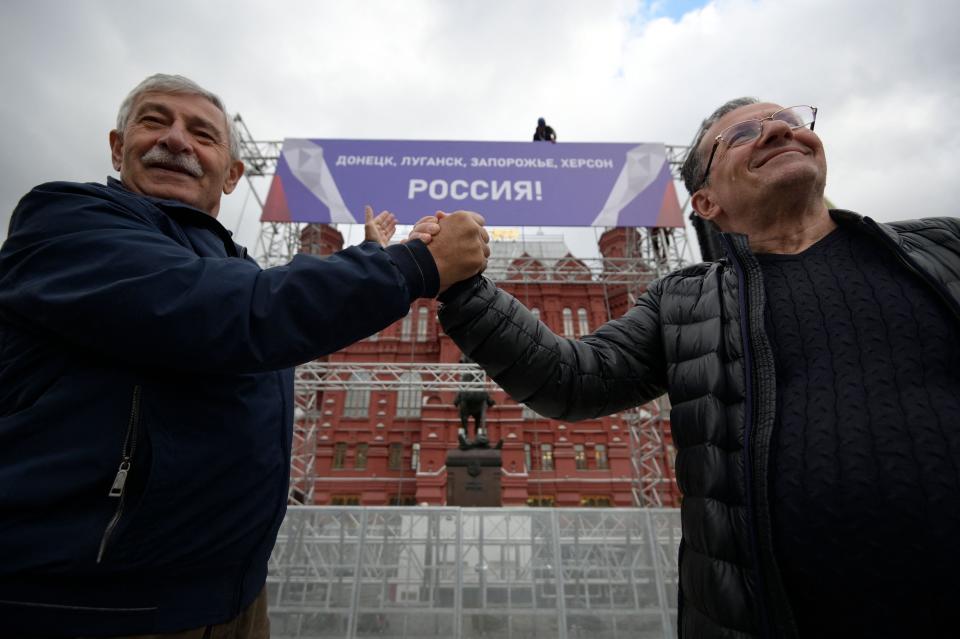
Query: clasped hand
{"points": [[457, 241]]}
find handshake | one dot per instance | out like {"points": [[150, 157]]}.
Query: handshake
{"points": [[457, 241]]}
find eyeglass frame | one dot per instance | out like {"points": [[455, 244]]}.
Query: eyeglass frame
{"points": [[719, 138]]}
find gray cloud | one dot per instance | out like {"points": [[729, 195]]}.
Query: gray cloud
{"points": [[883, 74]]}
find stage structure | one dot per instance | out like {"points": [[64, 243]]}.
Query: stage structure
{"points": [[304, 184], [467, 573]]}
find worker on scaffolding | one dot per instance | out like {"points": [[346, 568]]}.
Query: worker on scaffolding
{"points": [[814, 386], [146, 380], [544, 132]]}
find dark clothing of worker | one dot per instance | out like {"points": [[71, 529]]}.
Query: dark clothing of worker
{"points": [[544, 132]]}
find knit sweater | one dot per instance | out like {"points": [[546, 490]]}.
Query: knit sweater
{"points": [[866, 487]]}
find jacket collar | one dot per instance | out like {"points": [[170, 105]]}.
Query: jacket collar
{"points": [[851, 220], [184, 214], [843, 217], [114, 183]]}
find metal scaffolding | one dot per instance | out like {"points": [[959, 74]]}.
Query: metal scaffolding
{"points": [[650, 253], [313, 378], [385, 376], [504, 573]]}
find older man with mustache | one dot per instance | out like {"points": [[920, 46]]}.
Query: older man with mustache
{"points": [[146, 379], [814, 374]]}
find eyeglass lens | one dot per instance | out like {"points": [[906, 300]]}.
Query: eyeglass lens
{"points": [[743, 132]]}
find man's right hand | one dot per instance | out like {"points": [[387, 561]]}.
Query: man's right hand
{"points": [[460, 247]]}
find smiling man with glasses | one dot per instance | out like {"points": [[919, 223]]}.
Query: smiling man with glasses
{"points": [[749, 130], [814, 379], [764, 175]]}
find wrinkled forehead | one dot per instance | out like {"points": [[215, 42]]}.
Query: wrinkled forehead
{"points": [[190, 104], [747, 112]]}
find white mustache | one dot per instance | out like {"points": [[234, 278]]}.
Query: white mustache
{"points": [[160, 156]]}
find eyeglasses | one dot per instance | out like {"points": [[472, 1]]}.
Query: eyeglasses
{"points": [[747, 131]]}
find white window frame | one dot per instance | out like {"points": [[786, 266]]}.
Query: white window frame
{"points": [[568, 323]]}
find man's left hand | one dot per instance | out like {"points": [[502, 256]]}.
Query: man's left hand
{"points": [[426, 227], [378, 229]]}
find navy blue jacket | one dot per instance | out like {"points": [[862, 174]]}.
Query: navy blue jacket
{"points": [[146, 403]]}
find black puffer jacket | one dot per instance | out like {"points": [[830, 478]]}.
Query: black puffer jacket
{"points": [[698, 334]]}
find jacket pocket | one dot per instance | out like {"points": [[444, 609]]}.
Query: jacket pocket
{"points": [[120, 479]]}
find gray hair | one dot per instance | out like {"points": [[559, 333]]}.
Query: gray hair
{"points": [[164, 83], [695, 164]]}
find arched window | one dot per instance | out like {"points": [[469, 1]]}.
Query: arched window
{"points": [[422, 324], [567, 323], [406, 327], [410, 395], [584, 322], [357, 402]]}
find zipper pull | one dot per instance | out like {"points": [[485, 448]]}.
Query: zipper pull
{"points": [[117, 489]]}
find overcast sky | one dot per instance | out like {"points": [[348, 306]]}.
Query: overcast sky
{"points": [[885, 75]]}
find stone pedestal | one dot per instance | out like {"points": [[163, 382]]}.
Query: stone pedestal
{"points": [[473, 477]]}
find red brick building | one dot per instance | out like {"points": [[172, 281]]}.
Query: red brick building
{"points": [[380, 447]]}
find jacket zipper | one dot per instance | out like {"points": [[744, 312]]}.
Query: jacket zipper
{"points": [[749, 414], [120, 479], [286, 449], [777, 618]]}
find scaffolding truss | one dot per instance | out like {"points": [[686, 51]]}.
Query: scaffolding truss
{"points": [[384, 376], [610, 270], [650, 253], [313, 378], [648, 451], [645, 422]]}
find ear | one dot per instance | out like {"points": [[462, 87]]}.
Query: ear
{"points": [[116, 149], [705, 206], [233, 176]]}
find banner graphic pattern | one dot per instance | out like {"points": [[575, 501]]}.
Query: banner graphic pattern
{"points": [[509, 183]]}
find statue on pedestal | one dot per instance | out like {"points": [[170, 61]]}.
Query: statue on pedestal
{"points": [[473, 403]]}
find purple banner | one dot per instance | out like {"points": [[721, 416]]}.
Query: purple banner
{"points": [[509, 183]]}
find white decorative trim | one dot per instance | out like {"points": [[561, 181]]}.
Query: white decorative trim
{"points": [[436, 473]]}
